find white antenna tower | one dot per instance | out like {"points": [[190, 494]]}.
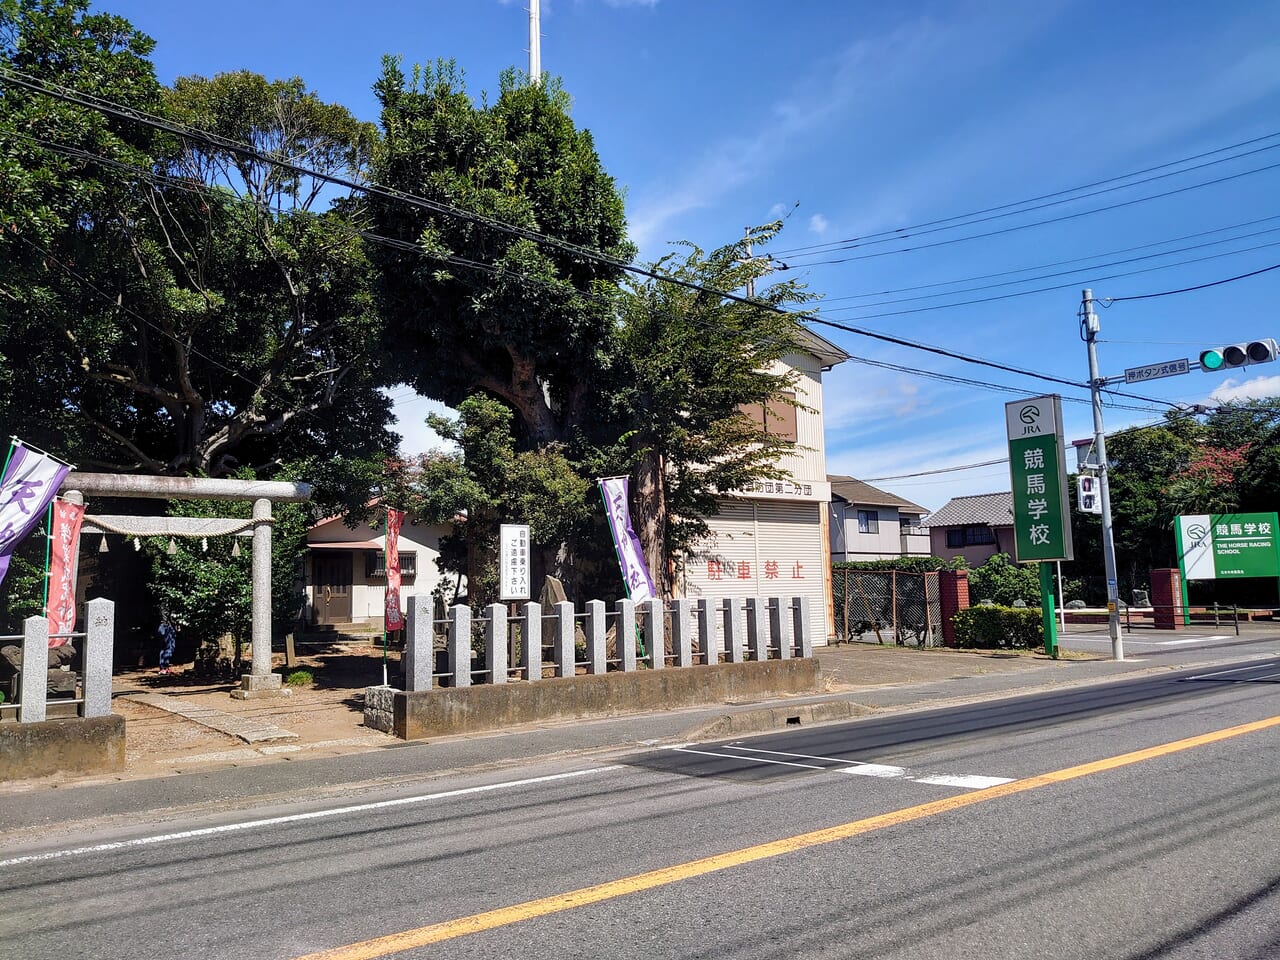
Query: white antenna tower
{"points": [[535, 44]]}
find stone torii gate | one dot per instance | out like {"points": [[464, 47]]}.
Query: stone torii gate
{"points": [[259, 681]]}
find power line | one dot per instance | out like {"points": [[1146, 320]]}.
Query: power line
{"points": [[114, 109], [1063, 273], [1040, 223], [1055, 263], [930, 473], [902, 232], [1202, 286], [1062, 286]]}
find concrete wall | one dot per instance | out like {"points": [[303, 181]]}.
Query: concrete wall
{"points": [[462, 710], [81, 745]]}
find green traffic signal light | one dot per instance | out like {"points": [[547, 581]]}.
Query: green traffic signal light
{"points": [[1212, 360]]}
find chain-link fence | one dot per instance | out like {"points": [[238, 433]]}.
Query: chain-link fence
{"points": [[892, 605]]}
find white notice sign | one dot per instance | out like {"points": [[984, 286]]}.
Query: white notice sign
{"points": [[513, 561]]}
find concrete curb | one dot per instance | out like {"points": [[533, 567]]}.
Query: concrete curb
{"points": [[777, 718]]}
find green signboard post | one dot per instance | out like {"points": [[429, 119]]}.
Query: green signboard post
{"points": [[1038, 477]]}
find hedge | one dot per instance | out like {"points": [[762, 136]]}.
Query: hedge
{"points": [[912, 564], [1019, 628]]}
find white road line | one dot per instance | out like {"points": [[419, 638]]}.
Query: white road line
{"points": [[881, 770], [1175, 643], [968, 782], [1223, 673], [733, 756], [859, 768], [300, 817]]}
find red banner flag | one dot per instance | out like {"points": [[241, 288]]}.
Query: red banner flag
{"points": [[395, 519], [64, 559]]}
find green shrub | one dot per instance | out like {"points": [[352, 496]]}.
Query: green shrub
{"points": [[1002, 581], [299, 678], [914, 564], [999, 628]]}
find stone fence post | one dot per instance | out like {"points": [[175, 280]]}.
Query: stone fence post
{"points": [[758, 628], [100, 620], [419, 643], [35, 669], [531, 641], [681, 639], [596, 659], [655, 615], [495, 642], [566, 665], [460, 645], [626, 634]]}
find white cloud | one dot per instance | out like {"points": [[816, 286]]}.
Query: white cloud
{"points": [[818, 224], [1259, 388], [410, 412]]}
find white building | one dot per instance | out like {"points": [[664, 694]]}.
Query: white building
{"points": [[345, 579], [773, 541], [871, 524]]}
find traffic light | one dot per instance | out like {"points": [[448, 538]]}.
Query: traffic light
{"points": [[1088, 497], [1238, 355]]}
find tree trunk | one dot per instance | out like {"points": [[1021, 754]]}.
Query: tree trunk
{"points": [[651, 520]]}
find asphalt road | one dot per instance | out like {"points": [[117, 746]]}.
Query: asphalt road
{"points": [[1135, 819]]}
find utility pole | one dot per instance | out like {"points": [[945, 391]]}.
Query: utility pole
{"points": [[535, 44], [751, 282], [1089, 320]]}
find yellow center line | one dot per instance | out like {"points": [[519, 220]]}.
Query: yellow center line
{"points": [[557, 903]]}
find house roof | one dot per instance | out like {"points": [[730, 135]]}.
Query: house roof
{"points": [[828, 353], [993, 509], [855, 491]]}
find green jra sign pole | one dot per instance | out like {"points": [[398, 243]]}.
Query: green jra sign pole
{"points": [[1041, 508]]}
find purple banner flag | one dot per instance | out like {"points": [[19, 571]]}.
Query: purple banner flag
{"points": [[30, 482], [630, 557]]}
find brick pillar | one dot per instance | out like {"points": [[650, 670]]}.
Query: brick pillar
{"points": [[953, 591], [1166, 598]]}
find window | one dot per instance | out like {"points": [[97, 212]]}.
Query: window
{"points": [[780, 418], [373, 564], [973, 535], [868, 521]]}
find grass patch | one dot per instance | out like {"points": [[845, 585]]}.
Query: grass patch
{"points": [[299, 678]]}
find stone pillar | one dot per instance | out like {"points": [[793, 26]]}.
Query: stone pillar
{"points": [[779, 628], [495, 642], [733, 629], [419, 643], [565, 665], [260, 681], [705, 614], [626, 633], [597, 661], [953, 596], [1166, 599], [35, 670], [459, 645], [681, 639], [655, 616], [531, 641], [802, 626], [100, 620], [758, 628]]}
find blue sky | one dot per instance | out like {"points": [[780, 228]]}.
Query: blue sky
{"points": [[853, 117]]}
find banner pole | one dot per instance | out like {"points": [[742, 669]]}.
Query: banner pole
{"points": [[48, 553], [386, 580]]}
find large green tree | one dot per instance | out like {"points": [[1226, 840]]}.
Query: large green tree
{"points": [[470, 304], [174, 305], [699, 389]]}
